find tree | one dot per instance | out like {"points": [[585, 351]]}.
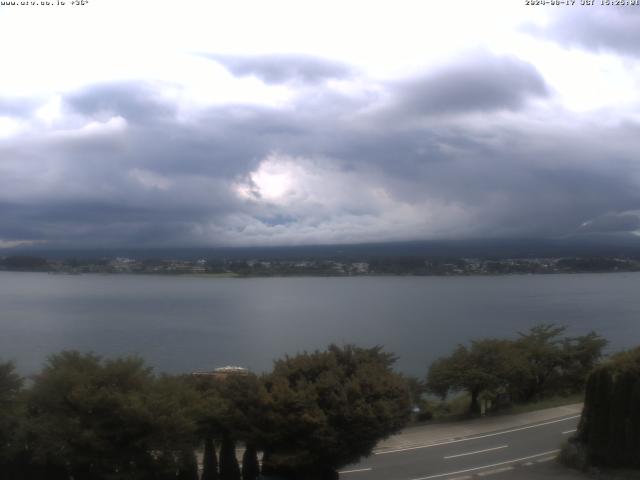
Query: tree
{"points": [[486, 366], [171, 404], [229, 468], [541, 349], [209, 461], [250, 465], [209, 412], [188, 466], [11, 420], [417, 388], [327, 409], [609, 430], [227, 410], [94, 418], [538, 363], [555, 365], [581, 355], [242, 400]]}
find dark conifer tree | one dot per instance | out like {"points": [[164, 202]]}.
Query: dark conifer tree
{"points": [[250, 465], [229, 468], [188, 466], [54, 472], [609, 429], [209, 461]]}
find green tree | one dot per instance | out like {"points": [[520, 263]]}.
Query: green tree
{"points": [[250, 465], [485, 367], [209, 461], [210, 409], [554, 364], [540, 362], [11, 420], [242, 401], [187, 466], [229, 468], [228, 409], [541, 350], [417, 388], [95, 419], [327, 409], [244, 397], [609, 430], [581, 355]]}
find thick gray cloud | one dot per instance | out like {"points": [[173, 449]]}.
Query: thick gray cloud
{"points": [[626, 222], [135, 101], [283, 68], [124, 167], [606, 28], [482, 83]]}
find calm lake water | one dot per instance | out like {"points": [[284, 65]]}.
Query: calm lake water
{"points": [[182, 324]]}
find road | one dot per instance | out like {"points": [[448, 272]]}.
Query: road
{"points": [[514, 453]]}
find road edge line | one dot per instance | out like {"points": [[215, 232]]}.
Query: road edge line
{"points": [[515, 460]]}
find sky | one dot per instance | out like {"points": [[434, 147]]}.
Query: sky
{"points": [[294, 122]]}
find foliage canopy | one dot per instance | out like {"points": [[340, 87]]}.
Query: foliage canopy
{"points": [[538, 363]]}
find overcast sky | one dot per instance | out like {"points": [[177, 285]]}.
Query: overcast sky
{"points": [[309, 122]]}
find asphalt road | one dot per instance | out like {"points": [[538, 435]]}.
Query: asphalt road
{"points": [[505, 452]]}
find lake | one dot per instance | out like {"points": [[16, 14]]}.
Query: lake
{"points": [[182, 324]]}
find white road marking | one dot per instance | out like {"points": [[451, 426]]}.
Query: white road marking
{"points": [[476, 437], [355, 471], [477, 451], [528, 464], [569, 431], [494, 471], [515, 460]]}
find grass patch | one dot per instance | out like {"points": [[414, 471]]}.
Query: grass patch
{"points": [[435, 411], [551, 402]]}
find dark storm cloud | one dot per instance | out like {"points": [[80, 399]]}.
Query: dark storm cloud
{"points": [[612, 223], [483, 83], [368, 172], [97, 224], [519, 181], [599, 27], [16, 224], [282, 68]]}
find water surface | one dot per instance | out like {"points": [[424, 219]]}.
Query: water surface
{"points": [[181, 324]]}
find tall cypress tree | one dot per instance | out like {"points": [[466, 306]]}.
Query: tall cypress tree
{"points": [[188, 466], [610, 423], [53, 472], [229, 468], [250, 465], [209, 461]]}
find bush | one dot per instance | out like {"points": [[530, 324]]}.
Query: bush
{"points": [[424, 416]]}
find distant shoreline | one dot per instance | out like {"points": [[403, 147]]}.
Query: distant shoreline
{"points": [[325, 267], [308, 275]]}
